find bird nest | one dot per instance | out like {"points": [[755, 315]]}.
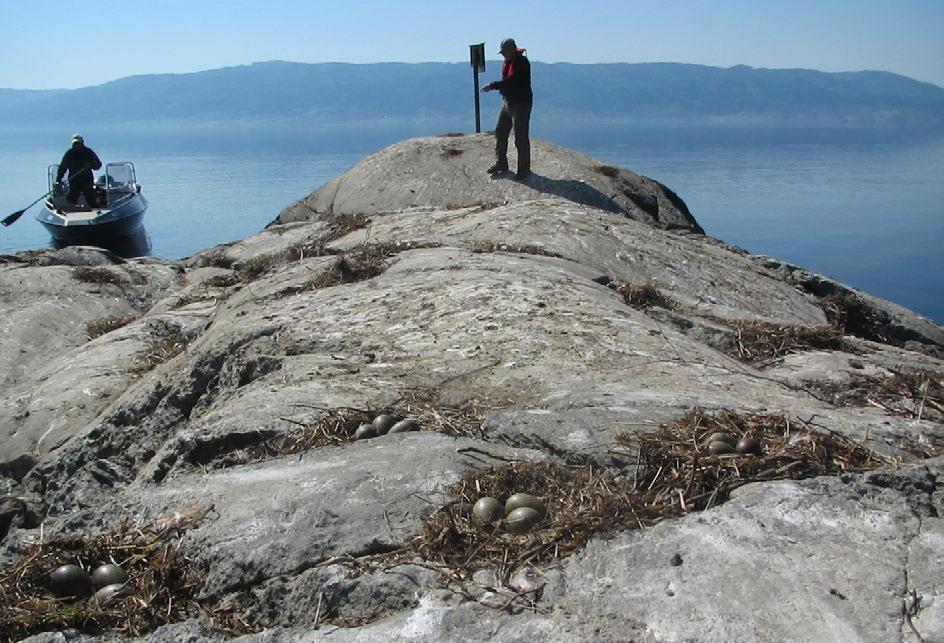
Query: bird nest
{"points": [[643, 296], [162, 581], [484, 247], [675, 474], [337, 425], [917, 395], [756, 342]]}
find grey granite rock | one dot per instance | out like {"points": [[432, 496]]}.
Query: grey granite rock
{"points": [[449, 172], [417, 277]]}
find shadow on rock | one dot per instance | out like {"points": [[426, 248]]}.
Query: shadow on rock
{"points": [[572, 190]]}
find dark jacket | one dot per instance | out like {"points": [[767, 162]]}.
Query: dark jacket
{"points": [[79, 161], [515, 85]]}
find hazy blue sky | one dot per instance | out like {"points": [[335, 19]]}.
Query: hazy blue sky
{"points": [[59, 43]]}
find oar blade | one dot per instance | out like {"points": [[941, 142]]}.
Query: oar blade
{"points": [[13, 217]]}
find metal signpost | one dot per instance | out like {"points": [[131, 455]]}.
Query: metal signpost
{"points": [[477, 57]]}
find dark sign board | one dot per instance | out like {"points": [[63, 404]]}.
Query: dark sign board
{"points": [[477, 56]]}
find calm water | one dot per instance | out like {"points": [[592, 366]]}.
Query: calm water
{"points": [[863, 208]]}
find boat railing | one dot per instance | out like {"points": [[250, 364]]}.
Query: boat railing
{"points": [[116, 184]]}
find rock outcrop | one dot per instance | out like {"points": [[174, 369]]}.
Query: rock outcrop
{"points": [[565, 326]]}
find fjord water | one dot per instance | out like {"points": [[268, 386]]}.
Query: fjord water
{"points": [[862, 207]]}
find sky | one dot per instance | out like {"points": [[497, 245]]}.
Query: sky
{"points": [[66, 44]]}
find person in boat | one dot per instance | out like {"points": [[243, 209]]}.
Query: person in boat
{"points": [[79, 161], [515, 88]]}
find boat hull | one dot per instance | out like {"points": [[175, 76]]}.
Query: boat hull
{"points": [[94, 226]]}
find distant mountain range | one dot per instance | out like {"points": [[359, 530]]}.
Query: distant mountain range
{"points": [[296, 95]]}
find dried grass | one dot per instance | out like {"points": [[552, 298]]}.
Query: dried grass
{"points": [[757, 341], [221, 281], [457, 419], [337, 426], [581, 502], [163, 581], [98, 275], [642, 296], [363, 262], [105, 325], [852, 316], [517, 248], [675, 475], [217, 259], [255, 267], [912, 394], [169, 342], [607, 170], [679, 475], [340, 227], [349, 269]]}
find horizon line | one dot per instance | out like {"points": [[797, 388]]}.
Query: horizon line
{"points": [[438, 62]]}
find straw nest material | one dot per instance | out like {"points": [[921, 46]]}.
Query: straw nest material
{"points": [[98, 275], [642, 296], [168, 342], [337, 425], [911, 394], [675, 475], [850, 314], [104, 325], [678, 474], [163, 581], [757, 341], [482, 247]]}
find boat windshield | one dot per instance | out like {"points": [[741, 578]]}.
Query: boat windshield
{"points": [[119, 177]]}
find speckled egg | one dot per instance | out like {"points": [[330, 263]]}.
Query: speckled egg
{"points": [[487, 510], [521, 520], [109, 574]]}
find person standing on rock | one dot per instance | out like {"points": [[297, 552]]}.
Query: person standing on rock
{"points": [[515, 88], [79, 161]]}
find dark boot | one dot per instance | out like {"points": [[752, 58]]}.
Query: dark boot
{"points": [[498, 168]]}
